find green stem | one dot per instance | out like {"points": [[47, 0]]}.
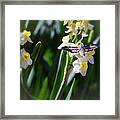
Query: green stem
{"points": [[65, 70], [51, 95], [70, 91]]}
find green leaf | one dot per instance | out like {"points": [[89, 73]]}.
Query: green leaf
{"points": [[48, 55], [44, 92], [28, 74], [34, 56], [60, 75], [36, 51], [37, 82], [30, 77], [65, 69], [70, 91], [90, 36], [25, 94]]}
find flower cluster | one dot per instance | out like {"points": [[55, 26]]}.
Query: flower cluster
{"points": [[77, 31], [25, 59]]}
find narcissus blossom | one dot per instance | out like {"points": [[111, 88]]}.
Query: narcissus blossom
{"points": [[84, 25], [25, 59], [80, 54], [66, 43], [24, 37], [80, 67]]}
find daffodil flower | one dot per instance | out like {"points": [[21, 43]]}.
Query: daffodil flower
{"points": [[85, 25], [24, 37], [87, 57], [66, 43], [74, 27], [71, 29], [80, 67], [25, 59]]}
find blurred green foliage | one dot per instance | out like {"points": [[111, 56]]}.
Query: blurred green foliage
{"points": [[45, 78]]}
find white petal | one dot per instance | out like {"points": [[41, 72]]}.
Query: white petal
{"points": [[71, 44], [83, 72], [84, 59], [84, 34], [29, 62], [22, 51], [22, 39], [62, 45], [91, 60], [67, 31], [75, 62], [76, 68], [90, 27], [23, 64], [21, 35], [77, 55], [29, 39], [70, 77], [82, 52], [68, 27], [67, 45], [65, 38], [81, 57], [22, 42]]}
